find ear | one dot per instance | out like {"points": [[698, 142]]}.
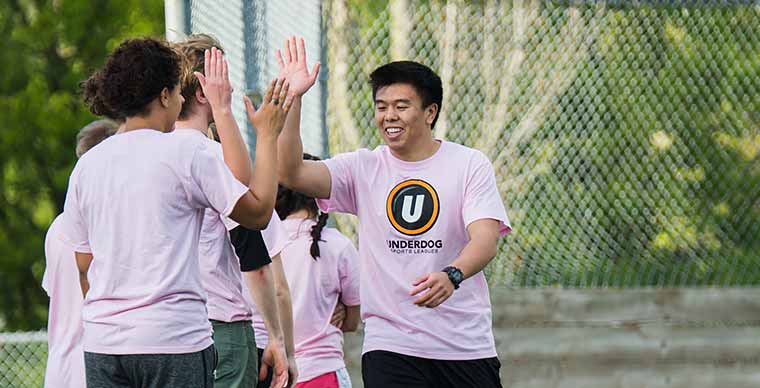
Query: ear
{"points": [[431, 112], [200, 97], [165, 97]]}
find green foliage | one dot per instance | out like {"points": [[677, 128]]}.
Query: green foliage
{"points": [[48, 48]]}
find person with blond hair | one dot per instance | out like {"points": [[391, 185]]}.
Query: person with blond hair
{"points": [[224, 254], [134, 226]]}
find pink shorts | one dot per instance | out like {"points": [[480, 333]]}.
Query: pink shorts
{"points": [[338, 379]]}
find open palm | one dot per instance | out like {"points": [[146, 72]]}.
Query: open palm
{"points": [[293, 67]]}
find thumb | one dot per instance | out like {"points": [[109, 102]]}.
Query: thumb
{"points": [[249, 108], [314, 72], [201, 78]]}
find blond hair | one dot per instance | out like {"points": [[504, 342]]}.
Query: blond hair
{"points": [[192, 51]]}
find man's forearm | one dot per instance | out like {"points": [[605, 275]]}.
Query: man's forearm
{"points": [[476, 255], [290, 143], [261, 285], [233, 147]]}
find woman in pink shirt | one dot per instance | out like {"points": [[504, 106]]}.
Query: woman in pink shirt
{"points": [[133, 215], [321, 266]]}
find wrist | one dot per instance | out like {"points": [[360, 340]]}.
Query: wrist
{"points": [[454, 274], [221, 111]]}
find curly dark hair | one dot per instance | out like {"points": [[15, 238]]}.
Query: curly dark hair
{"points": [[289, 202], [135, 73]]}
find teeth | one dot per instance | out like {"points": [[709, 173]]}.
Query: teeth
{"points": [[393, 130]]}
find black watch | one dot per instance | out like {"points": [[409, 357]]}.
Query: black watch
{"points": [[455, 275]]}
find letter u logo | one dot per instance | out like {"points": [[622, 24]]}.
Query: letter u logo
{"points": [[412, 207], [406, 212]]}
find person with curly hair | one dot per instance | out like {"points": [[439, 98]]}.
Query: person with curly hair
{"points": [[133, 214]]}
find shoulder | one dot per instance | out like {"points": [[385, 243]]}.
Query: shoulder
{"points": [[336, 239]]}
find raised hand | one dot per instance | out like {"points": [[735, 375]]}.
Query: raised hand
{"points": [[294, 69], [270, 117], [215, 80]]}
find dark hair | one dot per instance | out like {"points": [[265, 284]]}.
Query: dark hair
{"points": [[135, 73], [289, 202], [422, 78], [93, 133]]}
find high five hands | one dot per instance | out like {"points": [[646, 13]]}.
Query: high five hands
{"points": [[293, 67]]}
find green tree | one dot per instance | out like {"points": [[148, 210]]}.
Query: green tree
{"points": [[48, 48]]}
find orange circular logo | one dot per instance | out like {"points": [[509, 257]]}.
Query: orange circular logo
{"points": [[413, 207]]}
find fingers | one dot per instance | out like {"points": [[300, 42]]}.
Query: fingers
{"points": [[280, 379], [426, 297], [225, 70], [421, 279], [206, 62], [293, 48], [314, 73], [276, 91], [219, 64], [212, 66], [419, 288], [288, 54], [249, 108], [301, 50], [270, 91], [263, 372], [201, 79], [280, 62]]}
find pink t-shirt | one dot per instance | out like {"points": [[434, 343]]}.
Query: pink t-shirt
{"points": [[220, 266], [315, 288], [412, 221], [65, 363], [136, 202]]}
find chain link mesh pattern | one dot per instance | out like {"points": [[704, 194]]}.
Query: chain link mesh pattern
{"points": [[22, 359], [624, 136]]}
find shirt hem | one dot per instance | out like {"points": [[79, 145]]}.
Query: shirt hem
{"points": [[458, 356], [121, 350]]}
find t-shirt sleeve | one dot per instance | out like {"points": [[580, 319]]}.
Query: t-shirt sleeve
{"points": [[211, 183], [73, 229], [342, 184], [250, 248], [274, 235], [348, 273], [481, 198]]}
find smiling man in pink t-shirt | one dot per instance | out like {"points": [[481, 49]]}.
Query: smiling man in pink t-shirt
{"points": [[430, 219]]}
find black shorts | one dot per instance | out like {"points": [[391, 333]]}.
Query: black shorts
{"points": [[387, 370]]}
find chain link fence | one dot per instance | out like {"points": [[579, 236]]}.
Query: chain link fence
{"points": [[624, 135], [22, 359]]}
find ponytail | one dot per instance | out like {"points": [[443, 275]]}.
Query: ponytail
{"points": [[316, 234]]}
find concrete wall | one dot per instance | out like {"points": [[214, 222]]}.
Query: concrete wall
{"points": [[609, 338]]}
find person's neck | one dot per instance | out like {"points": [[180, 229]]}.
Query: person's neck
{"points": [[415, 153], [146, 122], [302, 214], [196, 120]]}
